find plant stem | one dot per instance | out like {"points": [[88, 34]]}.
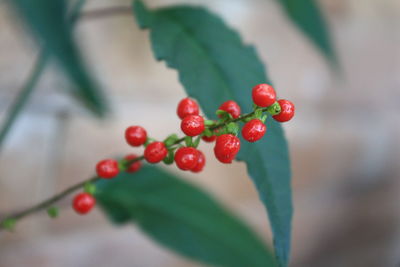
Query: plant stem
{"points": [[245, 116], [41, 61], [32, 80], [22, 98], [50, 202]]}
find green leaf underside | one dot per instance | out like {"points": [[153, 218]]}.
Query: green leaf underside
{"points": [[215, 66], [309, 18], [181, 217], [47, 20]]}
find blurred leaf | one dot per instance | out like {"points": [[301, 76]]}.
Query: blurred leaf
{"points": [[309, 18], [181, 217], [214, 66], [47, 20], [22, 97]]}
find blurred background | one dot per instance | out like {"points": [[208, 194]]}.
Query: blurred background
{"points": [[344, 140]]}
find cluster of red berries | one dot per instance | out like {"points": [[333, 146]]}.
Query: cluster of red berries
{"points": [[188, 158]]}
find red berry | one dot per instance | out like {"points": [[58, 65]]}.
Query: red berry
{"points": [[186, 158], [263, 95], [192, 125], [201, 161], [226, 147], [155, 152], [231, 107], [107, 168], [135, 135], [83, 203], [134, 167], [187, 106], [209, 139], [287, 111], [253, 130]]}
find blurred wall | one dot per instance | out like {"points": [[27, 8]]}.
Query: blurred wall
{"points": [[344, 140]]}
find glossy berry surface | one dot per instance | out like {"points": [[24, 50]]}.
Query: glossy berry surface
{"points": [[226, 147], [107, 168], [133, 167], [263, 95], [83, 203], [135, 135], [231, 107], [192, 125], [155, 152], [287, 111], [253, 130], [209, 139], [186, 158], [187, 106], [201, 161]]}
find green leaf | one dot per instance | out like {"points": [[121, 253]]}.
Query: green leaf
{"points": [[215, 66], [47, 20], [309, 18], [182, 217]]}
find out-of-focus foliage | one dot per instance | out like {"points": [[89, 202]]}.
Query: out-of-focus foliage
{"points": [[182, 217], [308, 17], [47, 19]]}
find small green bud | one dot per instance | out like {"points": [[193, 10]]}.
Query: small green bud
{"points": [[171, 139], [188, 141], [9, 224], [53, 212], [258, 113], [209, 122], [123, 165], [196, 142], [274, 109], [89, 188], [247, 119], [223, 114], [232, 128], [220, 112], [264, 118], [149, 140], [169, 159], [208, 133]]}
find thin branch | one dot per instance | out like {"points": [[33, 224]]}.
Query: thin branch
{"points": [[49, 202], [22, 98]]}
